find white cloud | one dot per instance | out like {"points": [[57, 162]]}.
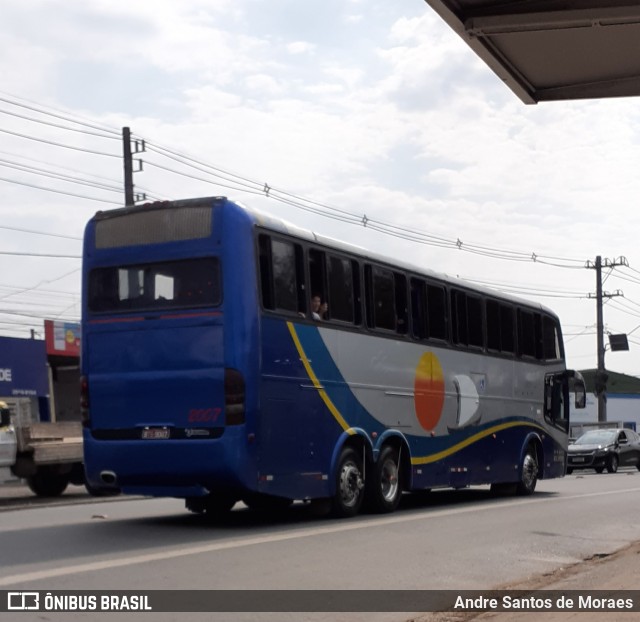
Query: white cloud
{"points": [[300, 47], [374, 107]]}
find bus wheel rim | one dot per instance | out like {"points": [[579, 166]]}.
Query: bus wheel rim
{"points": [[350, 484], [529, 470], [389, 480]]}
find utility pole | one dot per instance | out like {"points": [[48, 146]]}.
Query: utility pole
{"points": [[129, 197], [601, 376]]}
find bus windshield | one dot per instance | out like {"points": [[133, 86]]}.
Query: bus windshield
{"points": [[164, 285]]}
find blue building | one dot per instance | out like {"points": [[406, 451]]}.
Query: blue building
{"points": [[24, 372]]}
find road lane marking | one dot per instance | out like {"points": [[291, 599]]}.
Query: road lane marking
{"points": [[340, 527]]}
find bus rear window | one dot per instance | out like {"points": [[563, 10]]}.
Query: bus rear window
{"points": [[167, 285]]}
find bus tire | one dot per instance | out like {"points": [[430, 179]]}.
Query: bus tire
{"points": [[528, 472], [47, 483], [349, 494], [384, 488]]}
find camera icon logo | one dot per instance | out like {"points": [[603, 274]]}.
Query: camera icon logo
{"points": [[23, 601]]}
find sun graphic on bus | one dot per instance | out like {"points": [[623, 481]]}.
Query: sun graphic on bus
{"points": [[429, 391]]}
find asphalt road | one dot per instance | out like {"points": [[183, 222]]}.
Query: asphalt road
{"points": [[445, 540]]}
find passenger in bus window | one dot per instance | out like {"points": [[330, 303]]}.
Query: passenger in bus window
{"points": [[318, 308]]}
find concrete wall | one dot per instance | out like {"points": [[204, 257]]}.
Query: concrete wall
{"points": [[620, 407]]}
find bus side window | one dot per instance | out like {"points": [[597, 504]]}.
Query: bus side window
{"points": [[342, 294], [357, 292], [500, 327], [401, 303], [419, 326], [551, 339], [530, 334], [507, 329], [281, 275], [266, 278], [318, 276], [380, 299], [437, 312], [467, 318]]}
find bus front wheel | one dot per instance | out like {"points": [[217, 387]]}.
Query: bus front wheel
{"points": [[349, 494], [385, 486], [528, 473]]}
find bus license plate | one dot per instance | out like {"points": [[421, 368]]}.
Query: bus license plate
{"points": [[155, 433]]}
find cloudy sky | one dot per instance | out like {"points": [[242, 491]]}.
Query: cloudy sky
{"points": [[356, 107]]}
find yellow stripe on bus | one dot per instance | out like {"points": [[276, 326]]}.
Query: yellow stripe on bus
{"points": [[421, 460], [472, 439], [316, 383]]}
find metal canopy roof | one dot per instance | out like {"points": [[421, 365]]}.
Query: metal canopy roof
{"points": [[553, 49]]}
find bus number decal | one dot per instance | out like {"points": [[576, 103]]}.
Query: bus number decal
{"points": [[202, 415]]}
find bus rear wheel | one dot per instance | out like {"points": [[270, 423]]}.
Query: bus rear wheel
{"points": [[528, 473], [349, 494], [384, 488]]}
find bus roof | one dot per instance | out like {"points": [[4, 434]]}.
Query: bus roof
{"points": [[277, 224], [268, 221]]}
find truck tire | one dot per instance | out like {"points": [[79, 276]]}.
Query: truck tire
{"points": [[48, 483]]}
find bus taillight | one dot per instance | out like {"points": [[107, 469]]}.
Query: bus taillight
{"points": [[84, 401], [233, 397]]}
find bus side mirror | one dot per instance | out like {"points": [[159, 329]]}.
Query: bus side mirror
{"points": [[576, 384], [5, 417]]}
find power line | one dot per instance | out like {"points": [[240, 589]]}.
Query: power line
{"points": [[207, 181], [52, 175], [33, 315], [56, 144], [244, 184], [39, 109], [52, 235], [74, 169], [70, 194], [247, 185], [40, 255], [57, 125], [44, 282]]}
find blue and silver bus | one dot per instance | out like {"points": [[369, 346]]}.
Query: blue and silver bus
{"points": [[229, 356]]}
